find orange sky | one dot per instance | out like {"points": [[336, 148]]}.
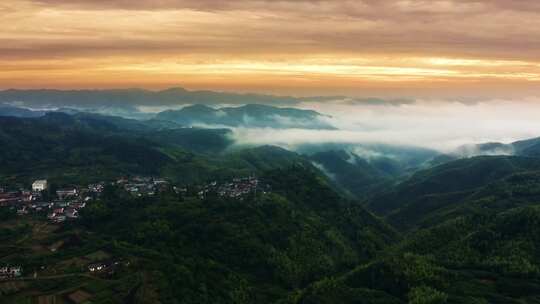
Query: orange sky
{"points": [[302, 47]]}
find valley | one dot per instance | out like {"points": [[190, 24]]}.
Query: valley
{"points": [[269, 152], [186, 213]]}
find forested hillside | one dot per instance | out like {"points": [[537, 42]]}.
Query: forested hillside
{"points": [[446, 186], [448, 231], [94, 147], [220, 250], [469, 236]]}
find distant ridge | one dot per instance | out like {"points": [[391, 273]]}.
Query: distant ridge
{"points": [[135, 97], [527, 147], [132, 97], [250, 115]]}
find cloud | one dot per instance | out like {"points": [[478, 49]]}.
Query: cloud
{"points": [[366, 153], [488, 149], [439, 125], [323, 169], [402, 48], [343, 6]]}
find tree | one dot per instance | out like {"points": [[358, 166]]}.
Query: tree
{"points": [[426, 295]]}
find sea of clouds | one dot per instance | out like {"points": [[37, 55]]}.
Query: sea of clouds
{"points": [[439, 125]]}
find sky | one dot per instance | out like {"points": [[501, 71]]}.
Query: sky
{"points": [[385, 48]]}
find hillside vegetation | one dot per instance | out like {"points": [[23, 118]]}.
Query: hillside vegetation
{"points": [[427, 228]]}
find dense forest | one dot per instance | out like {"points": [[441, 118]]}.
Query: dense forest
{"points": [[451, 230]]}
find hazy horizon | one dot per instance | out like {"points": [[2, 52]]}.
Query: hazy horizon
{"points": [[442, 125]]}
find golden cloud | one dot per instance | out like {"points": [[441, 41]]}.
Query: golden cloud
{"points": [[247, 44]]}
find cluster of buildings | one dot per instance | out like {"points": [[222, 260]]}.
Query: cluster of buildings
{"points": [[11, 198], [63, 204], [70, 200], [10, 272], [143, 186], [68, 204], [25, 200], [22, 197], [235, 188]]}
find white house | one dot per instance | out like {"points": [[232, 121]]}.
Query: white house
{"points": [[40, 185]]}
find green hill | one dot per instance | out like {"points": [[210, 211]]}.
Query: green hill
{"points": [[96, 147], [352, 173], [251, 115], [252, 251], [58, 143], [530, 147], [475, 243], [445, 187], [460, 231]]}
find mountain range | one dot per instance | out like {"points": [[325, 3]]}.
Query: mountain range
{"points": [[133, 97], [129, 98], [337, 223], [251, 115]]}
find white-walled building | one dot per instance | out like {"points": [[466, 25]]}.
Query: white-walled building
{"points": [[40, 185]]}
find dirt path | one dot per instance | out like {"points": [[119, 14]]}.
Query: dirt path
{"points": [[52, 277]]}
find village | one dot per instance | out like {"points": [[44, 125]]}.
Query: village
{"points": [[236, 188], [43, 202], [65, 203], [58, 205], [54, 207]]}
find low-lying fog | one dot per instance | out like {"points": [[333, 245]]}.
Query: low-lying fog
{"points": [[439, 125]]}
